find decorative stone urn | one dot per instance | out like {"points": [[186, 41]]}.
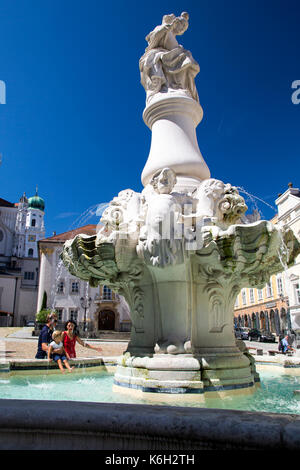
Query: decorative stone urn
{"points": [[181, 250]]}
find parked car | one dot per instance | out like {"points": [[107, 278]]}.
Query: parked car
{"points": [[262, 336], [241, 332], [30, 323]]}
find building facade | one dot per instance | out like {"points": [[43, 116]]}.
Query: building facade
{"points": [[288, 205], [95, 310], [276, 307], [21, 227]]}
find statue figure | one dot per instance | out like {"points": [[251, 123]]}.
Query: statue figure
{"points": [[158, 243], [166, 66]]}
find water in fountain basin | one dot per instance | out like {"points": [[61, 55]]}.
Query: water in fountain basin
{"points": [[275, 395]]}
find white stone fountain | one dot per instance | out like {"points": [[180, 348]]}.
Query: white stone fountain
{"points": [[181, 250]]}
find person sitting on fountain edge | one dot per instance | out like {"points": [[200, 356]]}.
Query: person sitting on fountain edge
{"points": [[70, 337], [57, 352], [45, 336]]}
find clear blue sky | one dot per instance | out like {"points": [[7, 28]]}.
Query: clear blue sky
{"points": [[72, 123]]}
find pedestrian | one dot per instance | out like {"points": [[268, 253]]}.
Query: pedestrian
{"points": [[285, 345], [56, 351], [45, 336], [70, 337]]}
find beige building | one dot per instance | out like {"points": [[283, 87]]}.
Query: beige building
{"points": [[94, 309], [276, 307]]}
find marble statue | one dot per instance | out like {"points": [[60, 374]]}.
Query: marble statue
{"points": [[181, 250], [166, 66]]}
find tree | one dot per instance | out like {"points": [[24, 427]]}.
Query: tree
{"points": [[44, 301], [41, 316]]}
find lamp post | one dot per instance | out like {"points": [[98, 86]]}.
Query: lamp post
{"points": [[85, 304]]}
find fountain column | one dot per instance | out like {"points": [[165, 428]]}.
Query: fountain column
{"points": [[173, 119]]}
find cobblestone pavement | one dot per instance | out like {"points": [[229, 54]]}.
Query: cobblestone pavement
{"points": [[17, 343], [21, 348], [265, 346], [26, 349]]}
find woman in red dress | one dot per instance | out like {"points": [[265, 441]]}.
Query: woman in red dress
{"points": [[70, 337]]}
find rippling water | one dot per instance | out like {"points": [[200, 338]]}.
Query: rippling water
{"points": [[274, 395]]}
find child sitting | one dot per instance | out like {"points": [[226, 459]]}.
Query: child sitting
{"points": [[57, 350]]}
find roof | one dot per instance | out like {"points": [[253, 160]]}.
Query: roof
{"points": [[62, 237], [4, 203]]}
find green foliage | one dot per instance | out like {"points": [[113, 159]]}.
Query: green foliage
{"points": [[41, 316]]}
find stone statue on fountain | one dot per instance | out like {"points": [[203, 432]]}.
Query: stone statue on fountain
{"points": [[166, 66]]}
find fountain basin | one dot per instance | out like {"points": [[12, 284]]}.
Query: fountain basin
{"points": [[274, 393], [44, 409]]}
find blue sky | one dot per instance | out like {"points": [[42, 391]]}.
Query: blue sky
{"points": [[72, 123]]}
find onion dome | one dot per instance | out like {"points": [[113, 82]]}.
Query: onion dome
{"points": [[36, 202]]}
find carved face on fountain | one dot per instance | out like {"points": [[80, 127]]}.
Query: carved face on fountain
{"points": [[219, 201], [164, 181]]}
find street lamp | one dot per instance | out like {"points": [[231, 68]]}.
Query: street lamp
{"points": [[85, 303]]}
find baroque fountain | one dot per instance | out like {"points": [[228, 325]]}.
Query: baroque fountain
{"points": [[181, 250]]}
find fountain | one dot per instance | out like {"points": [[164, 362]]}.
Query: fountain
{"points": [[181, 250]]}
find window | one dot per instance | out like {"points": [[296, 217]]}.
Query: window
{"points": [[279, 285], [269, 289], [33, 223], [244, 297], [260, 294], [29, 275], [297, 293], [59, 312], [60, 287], [73, 314], [107, 294], [251, 293], [74, 287], [236, 302], [30, 252]]}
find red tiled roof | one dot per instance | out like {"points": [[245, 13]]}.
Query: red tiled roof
{"points": [[62, 237]]}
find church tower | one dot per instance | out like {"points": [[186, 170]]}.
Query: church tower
{"points": [[30, 226], [19, 236], [34, 228]]}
